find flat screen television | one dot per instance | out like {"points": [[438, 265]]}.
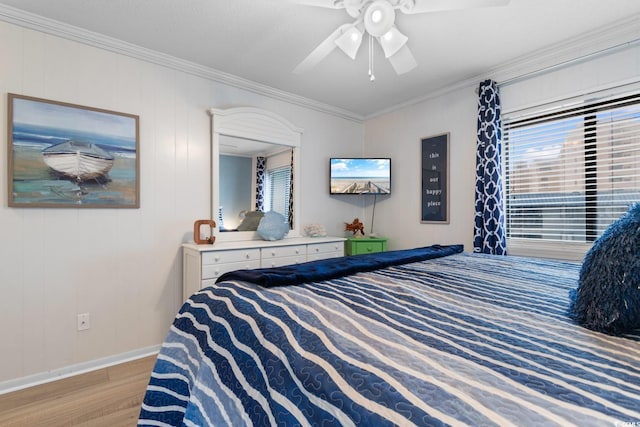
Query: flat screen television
{"points": [[360, 175]]}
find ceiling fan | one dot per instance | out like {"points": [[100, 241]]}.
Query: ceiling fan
{"points": [[377, 19]]}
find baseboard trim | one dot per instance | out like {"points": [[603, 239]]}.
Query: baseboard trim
{"points": [[77, 369]]}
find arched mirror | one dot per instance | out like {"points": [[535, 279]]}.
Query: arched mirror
{"points": [[246, 141]]}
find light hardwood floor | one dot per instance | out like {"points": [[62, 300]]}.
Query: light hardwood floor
{"points": [[105, 397]]}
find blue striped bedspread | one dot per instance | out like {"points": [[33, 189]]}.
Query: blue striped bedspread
{"points": [[467, 339]]}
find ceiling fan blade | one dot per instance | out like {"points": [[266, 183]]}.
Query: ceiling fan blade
{"points": [[331, 4], [320, 52], [403, 61], [353, 7], [422, 6]]}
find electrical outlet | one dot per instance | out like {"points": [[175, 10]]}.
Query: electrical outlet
{"points": [[84, 321]]}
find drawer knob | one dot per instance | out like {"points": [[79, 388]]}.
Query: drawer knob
{"points": [[273, 253], [217, 258], [247, 255]]}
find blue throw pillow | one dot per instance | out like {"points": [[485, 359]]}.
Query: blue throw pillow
{"points": [[273, 226], [608, 295]]}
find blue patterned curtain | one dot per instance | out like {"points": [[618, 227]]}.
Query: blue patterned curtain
{"points": [[290, 219], [489, 231], [261, 169]]}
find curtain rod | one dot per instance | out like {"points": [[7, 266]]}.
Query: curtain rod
{"points": [[567, 63]]}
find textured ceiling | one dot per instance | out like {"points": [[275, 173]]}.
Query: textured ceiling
{"points": [[263, 40]]}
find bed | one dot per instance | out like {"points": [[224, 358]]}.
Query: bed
{"points": [[450, 338]]}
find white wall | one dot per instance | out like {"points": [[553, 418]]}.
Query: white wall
{"points": [[123, 266], [398, 135]]}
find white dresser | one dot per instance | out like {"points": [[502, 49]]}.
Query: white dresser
{"points": [[203, 264]]}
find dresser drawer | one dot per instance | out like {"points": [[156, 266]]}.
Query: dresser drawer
{"points": [[324, 255], [284, 251], [288, 260], [213, 271], [318, 251], [318, 248], [367, 247], [237, 255], [354, 246]]}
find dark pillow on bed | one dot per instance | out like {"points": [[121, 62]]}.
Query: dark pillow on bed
{"points": [[608, 294]]}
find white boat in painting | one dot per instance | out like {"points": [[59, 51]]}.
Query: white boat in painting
{"points": [[78, 160]]}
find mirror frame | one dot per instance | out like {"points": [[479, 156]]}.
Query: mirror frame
{"points": [[258, 125]]}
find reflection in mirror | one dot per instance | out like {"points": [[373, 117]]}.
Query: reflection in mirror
{"points": [[254, 176], [235, 191], [252, 133]]}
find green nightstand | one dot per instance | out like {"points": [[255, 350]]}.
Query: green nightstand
{"points": [[364, 245]]}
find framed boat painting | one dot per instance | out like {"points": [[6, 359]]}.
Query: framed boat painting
{"points": [[64, 155]]}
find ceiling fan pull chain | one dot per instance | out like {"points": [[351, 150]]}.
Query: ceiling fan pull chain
{"points": [[372, 77]]}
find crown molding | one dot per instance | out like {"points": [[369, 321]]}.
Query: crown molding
{"points": [[621, 35], [59, 29]]}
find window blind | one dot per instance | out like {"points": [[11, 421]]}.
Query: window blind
{"points": [[571, 172], [278, 181]]}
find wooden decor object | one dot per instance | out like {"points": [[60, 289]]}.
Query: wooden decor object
{"points": [[196, 232], [355, 227]]}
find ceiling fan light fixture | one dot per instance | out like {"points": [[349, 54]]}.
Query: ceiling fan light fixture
{"points": [[392, 41], [349, 42], [379, 17], [403, 61]]}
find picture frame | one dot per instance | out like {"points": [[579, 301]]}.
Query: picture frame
{"points": [[63, 155], [435, 179]]}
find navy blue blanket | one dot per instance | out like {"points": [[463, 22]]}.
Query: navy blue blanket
{"points": [[333, 268]]}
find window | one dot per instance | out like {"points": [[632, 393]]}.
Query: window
{"points": [[277, 191], [570, 173]]}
